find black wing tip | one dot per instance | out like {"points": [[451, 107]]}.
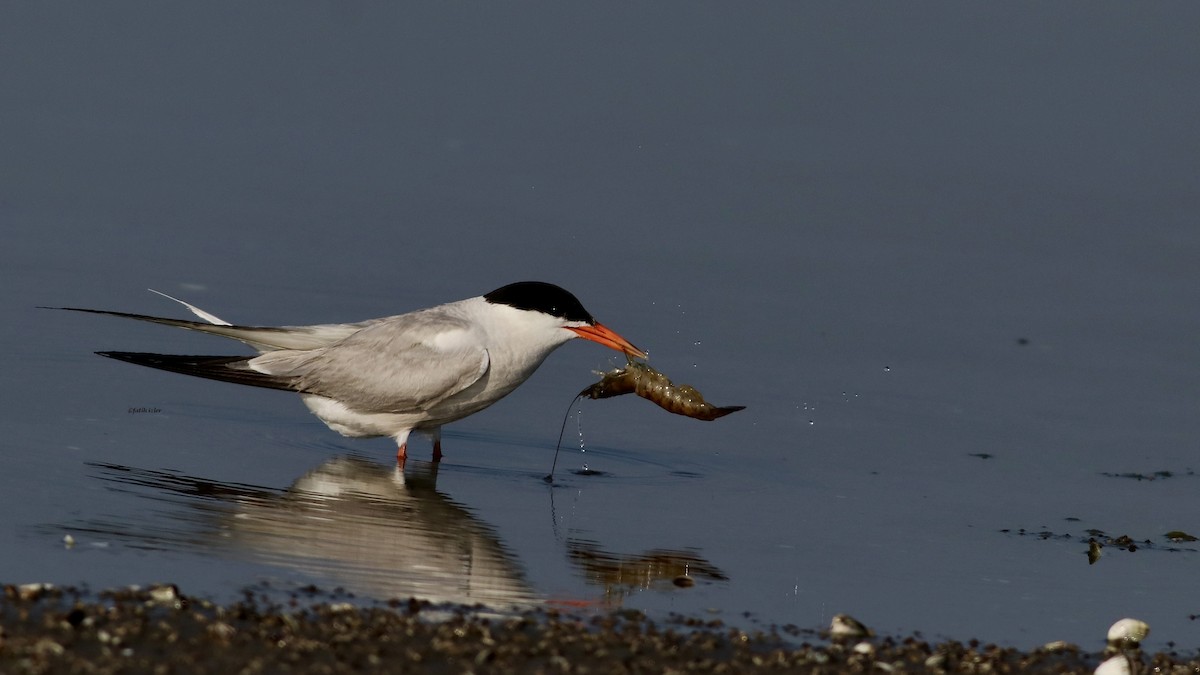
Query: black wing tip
{"points": [[221, 368], [131, 357], [72, 309], [173, 360]]}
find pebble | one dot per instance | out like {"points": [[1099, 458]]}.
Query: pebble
{"points": [[166, 594], [844, 627]]}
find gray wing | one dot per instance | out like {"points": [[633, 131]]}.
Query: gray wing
{"points": [[401, 364]]}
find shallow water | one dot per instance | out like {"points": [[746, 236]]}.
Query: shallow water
{"points": [[946, 257]]}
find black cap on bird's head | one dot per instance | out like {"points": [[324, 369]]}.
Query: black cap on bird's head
{"points": [[539, 296]]}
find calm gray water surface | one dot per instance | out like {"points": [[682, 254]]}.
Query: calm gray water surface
{"points": [[945, 254]]}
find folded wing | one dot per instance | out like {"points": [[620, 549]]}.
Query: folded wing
{"points": [[402, 364]]}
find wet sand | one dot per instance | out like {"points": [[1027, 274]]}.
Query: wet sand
{"points": [[160, 630]]}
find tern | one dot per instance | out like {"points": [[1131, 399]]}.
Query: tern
{"points": [[396, 374]]}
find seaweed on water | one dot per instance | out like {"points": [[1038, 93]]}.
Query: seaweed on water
{"points": [[1097, 539], [1155, 475]]}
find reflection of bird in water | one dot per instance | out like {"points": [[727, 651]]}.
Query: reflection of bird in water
{"points": [[619, 574], [364, 526], [396, 536], [392, 375], [379, 533]]}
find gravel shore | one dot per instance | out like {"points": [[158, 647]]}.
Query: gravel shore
{"points": [[159, 630]]}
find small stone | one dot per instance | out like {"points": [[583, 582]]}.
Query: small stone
{"points": [[76, 617], [47, 647], [166, 594], [221, 630], [845, 627]]}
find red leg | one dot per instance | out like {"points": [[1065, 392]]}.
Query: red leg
{"points": [[402, 453]]}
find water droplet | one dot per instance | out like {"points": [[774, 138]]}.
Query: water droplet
{"points": [[585, 467], [887, 369], [696, 343], [811, 423]]}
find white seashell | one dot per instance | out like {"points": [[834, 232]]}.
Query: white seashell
{"points": [[1128, 632], [1117, 665], [33, 591]]}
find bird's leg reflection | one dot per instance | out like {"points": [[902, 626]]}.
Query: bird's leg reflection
{"points": [[437, 444], [419, 476]]}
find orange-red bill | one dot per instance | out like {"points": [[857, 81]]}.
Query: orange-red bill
{"points": [[601, 334]]}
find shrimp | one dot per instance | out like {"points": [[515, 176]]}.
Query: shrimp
{"points": [[642, 379]]}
